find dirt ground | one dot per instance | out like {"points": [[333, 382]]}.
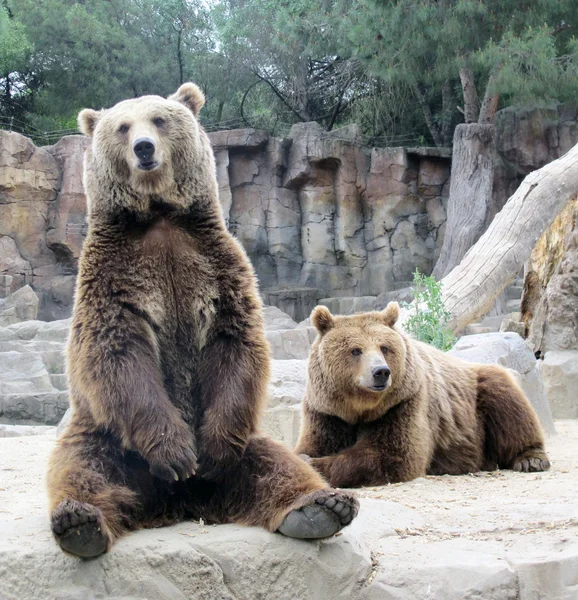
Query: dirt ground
{"points": [[496, 506]]}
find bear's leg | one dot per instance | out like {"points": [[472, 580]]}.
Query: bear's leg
{"points": [[273, 488], [94, 494], [514, 438]]}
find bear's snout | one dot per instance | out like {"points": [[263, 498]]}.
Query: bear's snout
{"points": [[380, 376], [144, 149]]}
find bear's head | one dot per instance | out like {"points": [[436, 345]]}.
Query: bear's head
{"points": [[147, 146], [360, 356]]}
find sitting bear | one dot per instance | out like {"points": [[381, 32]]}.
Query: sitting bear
{"points": [[167, 359], [382, 408]]}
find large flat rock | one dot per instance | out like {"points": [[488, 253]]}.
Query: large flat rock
{"points": [[499, 536]]}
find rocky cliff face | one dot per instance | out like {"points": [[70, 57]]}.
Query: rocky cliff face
{"points": [[320, 211], [319, 214]]}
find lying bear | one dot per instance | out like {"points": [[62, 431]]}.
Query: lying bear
{"points": [[167, 358], [382, 408]]}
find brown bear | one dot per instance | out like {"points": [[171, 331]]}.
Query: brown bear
{"points": [[167, 359], [382, 408]]}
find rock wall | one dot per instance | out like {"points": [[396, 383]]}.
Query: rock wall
{"points": [[320, 211], [42, 219], [320, 214]]}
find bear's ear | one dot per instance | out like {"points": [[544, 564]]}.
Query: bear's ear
{"points": [[191, 96], [87, 120], [322, 319], [390, 314]]}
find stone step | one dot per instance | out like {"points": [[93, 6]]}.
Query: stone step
{"points": [[513, 306], [514, 292], [59, 381], [42, 408], [51, 353]]}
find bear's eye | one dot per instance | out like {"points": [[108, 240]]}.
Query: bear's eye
{"points": [[158, 121], [356, 351], [123, 128], [384, 349]]}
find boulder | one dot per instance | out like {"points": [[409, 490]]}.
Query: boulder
{"points": [[275, 319], [509, 350], [21, 305], [559, 370], [290, 343], [296, 302]]}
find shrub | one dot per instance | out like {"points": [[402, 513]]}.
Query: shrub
{"points": [[429, 320]]}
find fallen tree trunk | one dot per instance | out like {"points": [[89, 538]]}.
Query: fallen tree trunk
{"points": [[470, 193], [494, 261]]}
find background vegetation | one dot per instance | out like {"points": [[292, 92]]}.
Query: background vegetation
{"points": [[407, 71]]}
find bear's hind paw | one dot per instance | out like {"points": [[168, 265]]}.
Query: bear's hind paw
{"points": [[327, 514], [78, 528]]}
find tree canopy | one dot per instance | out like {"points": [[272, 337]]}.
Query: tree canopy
{"points": [[407, 71]]}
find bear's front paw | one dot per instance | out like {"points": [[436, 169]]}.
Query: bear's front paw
{"points": [[173, 457], [218, 454]]}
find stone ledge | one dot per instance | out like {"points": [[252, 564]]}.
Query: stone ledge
{"points": [[498, 536]]}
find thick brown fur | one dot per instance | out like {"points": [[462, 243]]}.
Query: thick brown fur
{"points": [[437, 415], [167, 359]]}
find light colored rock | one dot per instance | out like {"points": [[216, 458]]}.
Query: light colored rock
{"points": [[53, 331], [289, 344], [283, 424], [513, 326], [13, 265], [559, 371], [509, 350], [34, 408], [22, 430], [550, 302], [297, 302], [287, 383], [349, 305], [23, 373], [501, 536], [21, 305], [275, 319]]}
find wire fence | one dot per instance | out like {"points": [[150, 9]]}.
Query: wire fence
{"points": [[279, 129]]}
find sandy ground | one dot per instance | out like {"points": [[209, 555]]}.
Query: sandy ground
{"points": [[500, 506]]}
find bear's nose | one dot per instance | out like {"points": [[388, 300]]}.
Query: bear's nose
{"points": [[144, 148], [381, 374]]}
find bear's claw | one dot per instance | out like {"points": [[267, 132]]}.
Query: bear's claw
{"points": [[78, 529], [531, 464], [322, 518]]}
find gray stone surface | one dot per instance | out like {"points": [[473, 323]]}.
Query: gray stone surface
{"points": [[348, 305], [23, 430], [296, 302], [32, 381], [559, 371], [290, 343], [21, 305], [500, 536], [275, 319], [509, 350]]}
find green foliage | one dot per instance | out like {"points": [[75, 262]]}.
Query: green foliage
{"points": [[429, 321], [392, 66]]}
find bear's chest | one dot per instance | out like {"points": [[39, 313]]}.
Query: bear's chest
{"points": [[182, 281]]}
